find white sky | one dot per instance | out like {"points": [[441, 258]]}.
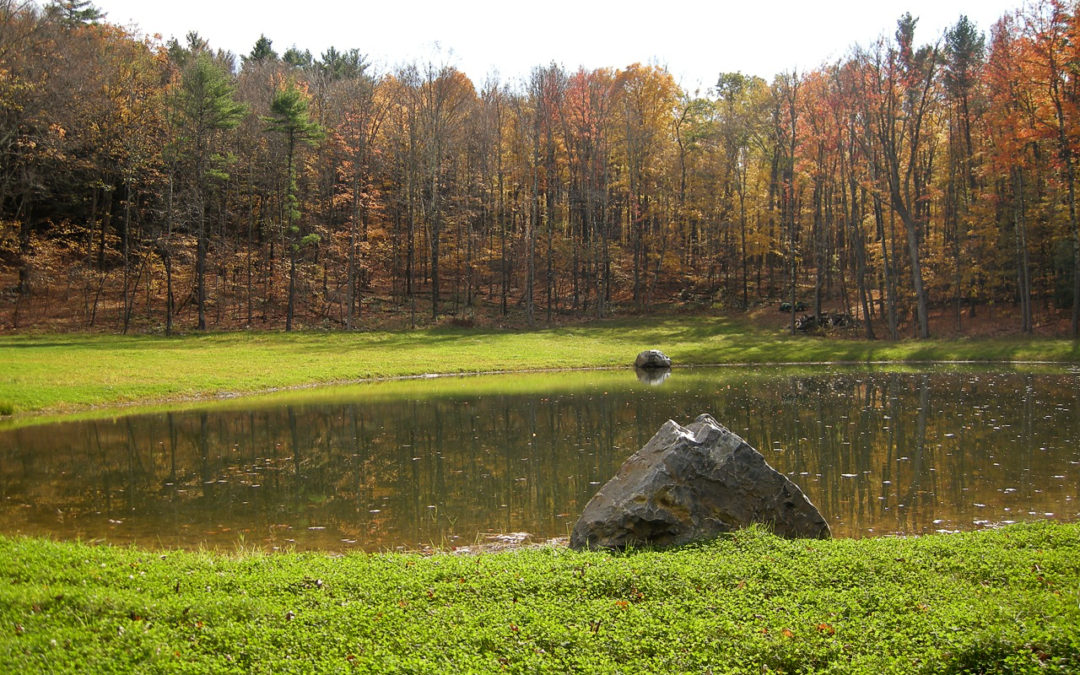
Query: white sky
{"points": [[695, 39]]}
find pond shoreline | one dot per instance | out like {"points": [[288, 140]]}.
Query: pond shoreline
{"points": [[51, 375], [62, 413]]}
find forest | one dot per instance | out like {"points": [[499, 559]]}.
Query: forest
{"points": [[163, 186]]}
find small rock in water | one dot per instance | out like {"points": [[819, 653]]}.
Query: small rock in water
{"points": [[652, 358]]}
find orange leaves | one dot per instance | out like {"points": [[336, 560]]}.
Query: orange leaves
{"points": [[586, 103], [822, 630]]}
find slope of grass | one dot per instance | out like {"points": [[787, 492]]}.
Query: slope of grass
{"points": [[992, 601], [61, 373]]}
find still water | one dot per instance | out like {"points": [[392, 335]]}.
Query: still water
{"points": [[451, 462]]}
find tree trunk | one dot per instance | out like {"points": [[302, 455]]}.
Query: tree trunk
{"points": [[350, 278], [1023, 266], [530, 250], [25, 230], [106, 218], [819, 244], [742, 245], [860, 258], [169, 297], [200, 266], [911, 228], [1065, 152], [436, 232], [887, 271], [292, 289], [435, 236], [250, 249], [549, 278]]}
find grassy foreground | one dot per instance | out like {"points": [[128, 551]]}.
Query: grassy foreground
{"points": [[1003, 601], [64, 373]]}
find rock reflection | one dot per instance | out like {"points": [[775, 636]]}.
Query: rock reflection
{"points": [[653, 376], [877, 453]]}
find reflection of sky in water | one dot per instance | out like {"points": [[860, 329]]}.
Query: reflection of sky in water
{"points": [[877, 453]]}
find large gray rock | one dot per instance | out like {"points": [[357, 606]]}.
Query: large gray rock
{"points": [[690, 484], [652, 358]]}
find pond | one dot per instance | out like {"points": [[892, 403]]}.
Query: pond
{"points": [[454, 461]]}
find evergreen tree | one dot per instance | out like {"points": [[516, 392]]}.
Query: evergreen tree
{"points": [[203, 107], [262, 51], [74, 12], [297, 58], [289, 117], [342, 65]]}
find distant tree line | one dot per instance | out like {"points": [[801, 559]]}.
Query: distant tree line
{"points": [[147, 184]]}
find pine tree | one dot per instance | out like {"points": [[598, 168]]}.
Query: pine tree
{"points": [[74, 12], [289, 117], [203, 106], [262, 51]]}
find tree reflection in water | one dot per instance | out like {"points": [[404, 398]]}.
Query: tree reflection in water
{"points": [[877, 453]]}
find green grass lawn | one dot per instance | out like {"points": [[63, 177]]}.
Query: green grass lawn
{"points": [[1002, 601], [64, 373]]}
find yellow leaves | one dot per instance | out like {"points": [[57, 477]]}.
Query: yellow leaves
{"points": [[653, 83], [646, 101]]}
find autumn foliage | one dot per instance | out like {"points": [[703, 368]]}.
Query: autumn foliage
{"points": [[161, 185]]}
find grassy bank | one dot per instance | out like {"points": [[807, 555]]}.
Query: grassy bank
{"points": [[992, 601], [63, 373]]}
